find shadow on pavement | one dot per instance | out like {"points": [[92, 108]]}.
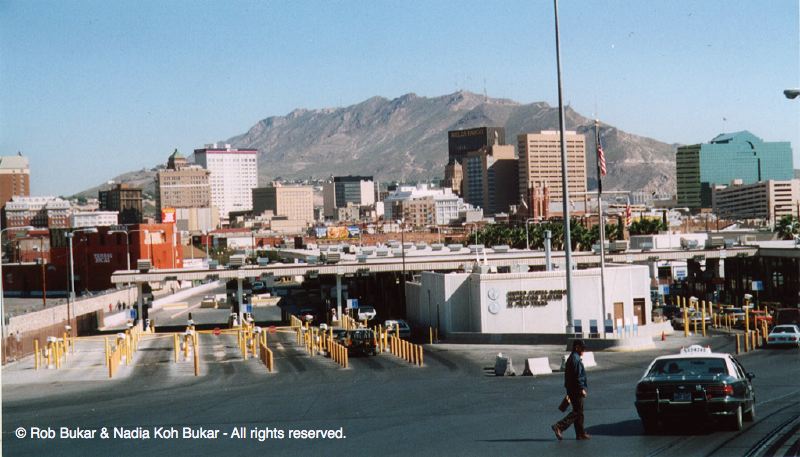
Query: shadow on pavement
{"points": [[634, 428]]}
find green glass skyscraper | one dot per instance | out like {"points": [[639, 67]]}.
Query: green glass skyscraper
{"points": [[738, 155]]}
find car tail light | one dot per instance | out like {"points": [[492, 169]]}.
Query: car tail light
{"points": [[645, 391], [772, 338], [719, 391]]}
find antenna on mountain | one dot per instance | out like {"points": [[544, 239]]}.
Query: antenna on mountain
{"points": [[485, 97]]}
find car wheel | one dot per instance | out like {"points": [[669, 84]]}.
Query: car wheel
{"points": [[735, 423], [750, 416], [650, 426]]}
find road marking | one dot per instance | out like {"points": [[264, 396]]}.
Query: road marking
{"points": [[185, 310]]}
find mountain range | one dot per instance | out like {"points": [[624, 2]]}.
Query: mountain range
{"points": [[405, 139]]}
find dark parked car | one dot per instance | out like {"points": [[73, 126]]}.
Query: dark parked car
{"points": [[360, 341], [696, 383], [405, 329]]}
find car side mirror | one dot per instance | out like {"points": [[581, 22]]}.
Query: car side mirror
{"points": [[750, 375]]}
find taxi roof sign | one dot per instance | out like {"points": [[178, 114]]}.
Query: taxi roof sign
{"points": [[696, 349]]}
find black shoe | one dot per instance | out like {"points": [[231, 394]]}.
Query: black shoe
{"points": [[557, 431]]}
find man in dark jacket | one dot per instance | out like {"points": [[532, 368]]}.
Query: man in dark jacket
{"points": [[575, 383]]}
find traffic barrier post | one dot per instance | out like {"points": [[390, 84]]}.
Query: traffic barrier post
{"points": [[685, 320], [746, 342], [704, 319], [36, 355], [196, 358], [738, 345], [753, 337]]}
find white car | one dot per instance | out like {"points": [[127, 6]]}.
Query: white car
{"points": [[783, 335], [366, 312]]}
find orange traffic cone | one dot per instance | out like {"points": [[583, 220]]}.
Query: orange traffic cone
{"points": [[662, 336]]}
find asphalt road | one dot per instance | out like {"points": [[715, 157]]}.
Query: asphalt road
{"points": [[382, 405]]}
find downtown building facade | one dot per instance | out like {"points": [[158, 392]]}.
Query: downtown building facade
{"points": [[490, 178], [765, 200], [729, 156], [15, 177], [421, 206], [540, 164], [343, 190], [125, 200], [185, 189], [233, 176], [462, 142], [41, 212], [295, 203]]}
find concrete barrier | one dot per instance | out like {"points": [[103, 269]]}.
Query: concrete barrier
{"points": [[537, 365], [503, 366], [587, 358], [185, 293], [173, 306]]}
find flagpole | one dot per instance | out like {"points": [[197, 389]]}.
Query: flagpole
{"points": [[602, 228], [570, 329]]}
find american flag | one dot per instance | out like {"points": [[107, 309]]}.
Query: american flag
{"points": [[627, 215], [601, 157]]}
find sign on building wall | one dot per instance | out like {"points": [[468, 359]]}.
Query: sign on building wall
{"points": [[525, 298], [168, 215], [353, 231]]}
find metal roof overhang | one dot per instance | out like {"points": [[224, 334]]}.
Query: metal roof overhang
{"points": [[419, 263]]}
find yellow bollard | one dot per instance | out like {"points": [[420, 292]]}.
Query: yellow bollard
{"points": [[105, 345], [196, 361], [753, 343], [685, 321], [704, 320], [738, 345], [430, 334], [747, 320], [746, 342], [36, 354], [421, 356]]}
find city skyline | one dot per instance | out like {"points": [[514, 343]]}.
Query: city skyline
{"points": [[99, 90]]}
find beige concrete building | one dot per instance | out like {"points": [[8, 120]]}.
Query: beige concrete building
{"points": [[490, 178], [453, 177], [15, 178], [186, 188], [540, 162], [295, 203], [768, 200]]}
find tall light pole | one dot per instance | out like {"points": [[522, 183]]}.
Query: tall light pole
{"points": [[527, 240], [403, 256], [2, 291], [71, 298], [565, 189]]}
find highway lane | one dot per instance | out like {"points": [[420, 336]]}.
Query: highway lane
{"points": [[385, 407]]}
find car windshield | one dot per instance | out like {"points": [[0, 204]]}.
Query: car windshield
{"points": [[689, 367], [784, 329]]}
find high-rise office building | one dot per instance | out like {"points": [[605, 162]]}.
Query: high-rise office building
{"points": [[490, 178], [460, 142], [729, 156], [15, 177], [357, 190], [234, 175], [766, 200], [186, 188], [125, 199], [293, 202], [540, 163]]}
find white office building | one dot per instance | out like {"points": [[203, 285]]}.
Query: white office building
{"points": [[234, 175], [447, 205], [94, 218]]}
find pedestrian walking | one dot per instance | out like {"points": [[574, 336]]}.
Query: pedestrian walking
{"points": [[18, 344], [575, 384]]}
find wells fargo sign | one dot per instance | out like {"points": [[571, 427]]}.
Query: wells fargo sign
{"points": [[525, 298]]}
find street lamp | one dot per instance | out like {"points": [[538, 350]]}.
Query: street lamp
{"points": [[403, 256], [527, 240], [2, 290], [71, 298], [791, 94]]}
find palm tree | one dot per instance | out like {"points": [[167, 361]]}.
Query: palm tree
{"points": [[787, 227]]}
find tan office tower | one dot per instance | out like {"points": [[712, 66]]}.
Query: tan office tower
{"points": [[490, 175], [293, 202], [186, 188], [540, 162]]}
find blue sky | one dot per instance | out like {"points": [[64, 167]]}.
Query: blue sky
{"points": [[90, 89]]}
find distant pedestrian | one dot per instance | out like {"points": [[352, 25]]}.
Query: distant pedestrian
{"points": [[18, 341], [575, 384], [109, 307]]}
